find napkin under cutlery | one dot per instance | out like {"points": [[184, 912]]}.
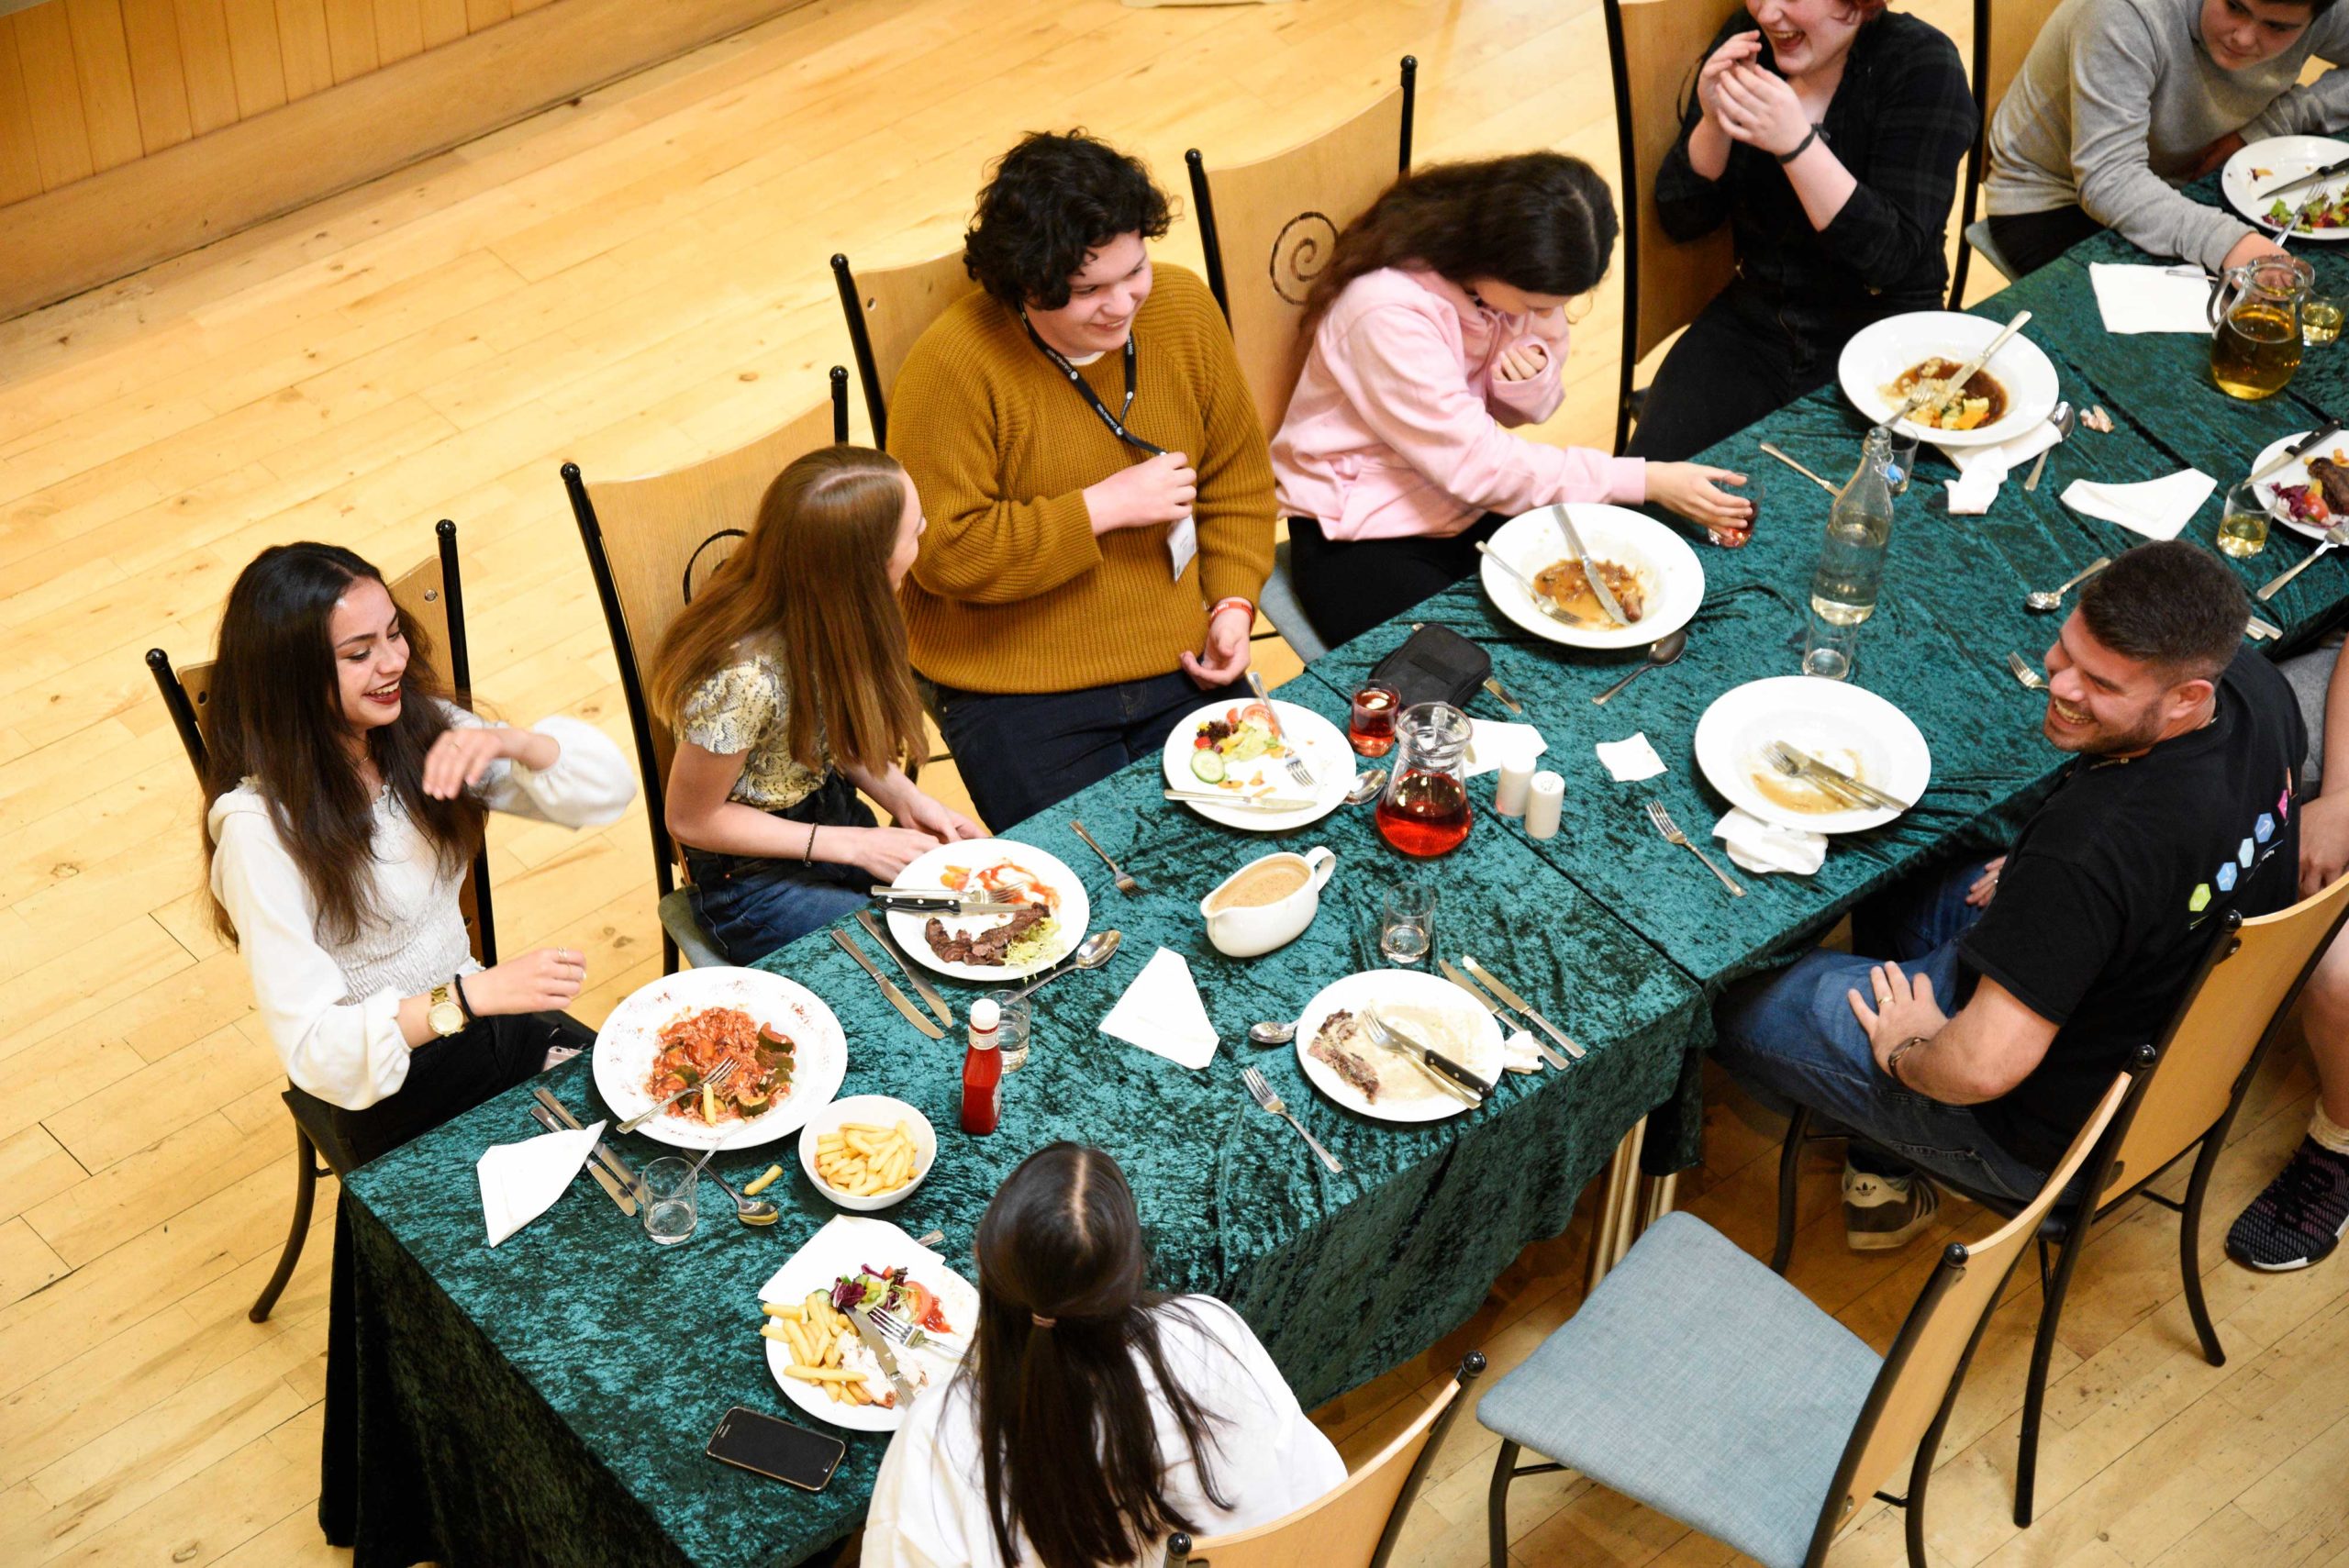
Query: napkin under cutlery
{"points": [[520, 1181], [2151, 299], [1765, 847], [1161, 1013], [1982, 469], [1492, 743], [2157, 508], [1630, 761]]}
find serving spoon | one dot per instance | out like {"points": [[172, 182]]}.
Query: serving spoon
{"points": [[1271, 1032], [2041, 600]]}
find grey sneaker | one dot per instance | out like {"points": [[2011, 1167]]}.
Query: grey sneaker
{"points": [[1881, 1213], [2301, 1217]]}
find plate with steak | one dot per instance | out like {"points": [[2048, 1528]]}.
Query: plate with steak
{"points": [[2310, 494], [1049, 915], [1340, 1059]]}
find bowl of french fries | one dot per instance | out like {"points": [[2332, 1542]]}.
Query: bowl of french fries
{"points": [[867, 1152]]}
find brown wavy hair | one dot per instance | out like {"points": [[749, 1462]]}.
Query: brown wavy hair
{"points": [[275, 717], [813, 577]]}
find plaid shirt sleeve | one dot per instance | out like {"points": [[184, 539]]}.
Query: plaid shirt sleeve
{"points": [[1922, 120]]}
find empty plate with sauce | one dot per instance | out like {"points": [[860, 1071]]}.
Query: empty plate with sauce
{"points": [[1846, 727]]}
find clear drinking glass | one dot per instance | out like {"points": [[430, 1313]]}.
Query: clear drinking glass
{"points": [[1011, 1027], [2320, 320], [1830, 647], [665, 1189], [1370, 723], [1407, 921], [2242, 527]]}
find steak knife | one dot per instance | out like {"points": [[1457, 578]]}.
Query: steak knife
{"points": [[1501, 1015], [1491, 983], [2284, 459], [2314, 177], [888, 987], [1600, 590], [922, 988], [1435, 1061]]}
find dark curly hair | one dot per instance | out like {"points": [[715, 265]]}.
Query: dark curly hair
{"points": [[1543, 222], [2171, 604], [1053, 199]]}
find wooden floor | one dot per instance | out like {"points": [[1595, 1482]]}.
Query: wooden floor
{"points": [[633, 281]]}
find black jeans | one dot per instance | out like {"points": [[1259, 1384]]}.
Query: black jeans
{"points": [[2029, 241], [1020, 752], [1749, 353], [1348, 587], [751, 904]]}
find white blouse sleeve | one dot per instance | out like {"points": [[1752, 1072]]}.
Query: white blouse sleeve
{"points": [[590, 784], [348, 1054], [919, 1517]]}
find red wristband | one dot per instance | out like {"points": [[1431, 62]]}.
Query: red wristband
{"points": [[1222, 604]]}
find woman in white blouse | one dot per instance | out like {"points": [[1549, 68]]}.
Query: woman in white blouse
{"points": [[1092, 1418], [347, 801]]}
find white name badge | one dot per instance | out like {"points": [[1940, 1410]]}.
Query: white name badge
{"points": [[1183, 544]]}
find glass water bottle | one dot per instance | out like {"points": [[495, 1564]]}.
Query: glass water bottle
{"points": [[1850, 573]]}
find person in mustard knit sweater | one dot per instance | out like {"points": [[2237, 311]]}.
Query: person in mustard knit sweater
{"points": [[1099, 495]]}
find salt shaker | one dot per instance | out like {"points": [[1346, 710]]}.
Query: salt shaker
{"points": [[1546, 800]]}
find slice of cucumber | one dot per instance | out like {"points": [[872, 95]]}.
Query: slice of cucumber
{"points": [[1207, 764]]}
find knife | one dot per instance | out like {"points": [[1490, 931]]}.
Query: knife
{"points": [[941, 903], [2284, 459], [1514, 1000], [1836, 778], [619, 1194], [1503, 698], [1427, 1056], [1600, 590], [879, 1346], [603, 1151], [888, 987], [2327, 172], [1253, 802], [1501, 1015], [922, 988], [2256, 630]]}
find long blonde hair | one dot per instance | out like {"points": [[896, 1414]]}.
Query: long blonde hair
{"points": [[814, 576]]}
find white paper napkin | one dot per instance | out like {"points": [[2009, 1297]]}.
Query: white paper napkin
{"points": [[2151, 299], [1161, 1013], [1982, 469], [520, 1181], [1492, 743], [2158, 508], [1518, 1055], [1630, 761], [1765, 847]]}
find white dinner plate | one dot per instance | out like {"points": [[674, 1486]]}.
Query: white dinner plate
{"points": [[840, 1250], [1075, 911], [630, 1038], [1474, 1043], [2296, 472], [2264, 165], [1842, 725], [1881, 351], [1328, 755], [1671, 578]]}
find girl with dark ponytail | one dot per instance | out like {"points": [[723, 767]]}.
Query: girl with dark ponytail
{"points": [[1092, 1417]]}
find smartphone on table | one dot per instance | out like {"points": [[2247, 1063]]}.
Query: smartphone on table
{"points": [[766, 1446]]}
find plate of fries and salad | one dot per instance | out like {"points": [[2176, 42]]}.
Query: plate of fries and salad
{"points": [[818, 1358]]}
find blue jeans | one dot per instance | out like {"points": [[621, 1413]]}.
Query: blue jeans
{"points": [[751, 904], [1019, 753], [1791, 1040]]}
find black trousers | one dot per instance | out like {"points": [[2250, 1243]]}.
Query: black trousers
{"points": [[2029, 241], [1749, 353], [1348, 587]]}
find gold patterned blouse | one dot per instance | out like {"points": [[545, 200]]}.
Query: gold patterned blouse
{"points": [[745, 708]]}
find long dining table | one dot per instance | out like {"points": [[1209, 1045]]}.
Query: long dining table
{"points": [[549, 1399]]}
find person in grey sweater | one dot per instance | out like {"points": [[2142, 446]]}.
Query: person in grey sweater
{"points": [[2122, 101]]}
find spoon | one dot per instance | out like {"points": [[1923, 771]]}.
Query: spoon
{"points": [[1271, 1032], [1542, 601], [1661, 651], [2064, 419], [2040, 599], [1091, 953], [760, 1212], [1369, 785]]}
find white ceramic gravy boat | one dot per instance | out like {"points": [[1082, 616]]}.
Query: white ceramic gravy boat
{"points": [[1246, 931]]}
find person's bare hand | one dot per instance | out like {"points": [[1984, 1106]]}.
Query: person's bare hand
{"points": [[2251, 248], [1985, 886], [461, 757], [2216, 154], [1159, 490], [886, 851], [1689, 489], [1761, 110], [1744, 49], [1902, 1008], [940, 821], [2325, 841], [544, 980], [1226, 654], [1521, 360]]}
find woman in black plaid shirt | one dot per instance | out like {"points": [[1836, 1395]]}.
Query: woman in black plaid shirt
{"points": [[1827, 134]]}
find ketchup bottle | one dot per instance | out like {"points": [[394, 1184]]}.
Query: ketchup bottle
{"points": [[983, 1071]]}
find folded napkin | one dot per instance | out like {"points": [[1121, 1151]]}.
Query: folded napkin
{"points": [[1161, 1013], [520, 1181], [1492, 743], [2158, 508], [1981, 470], [2151, 299], [1765, 847], [1630, 761]]}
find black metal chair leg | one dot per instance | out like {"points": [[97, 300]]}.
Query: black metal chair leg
{"points": [[1920, 1472], [1497, 1505], [2043, 1351], [668, 952], [2189, 1246], [306, 1193], [1789, 1169]]}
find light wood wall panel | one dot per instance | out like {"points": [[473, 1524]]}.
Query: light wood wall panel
{"points": [[302, 39], [254, 50], [60, 134], [157, 74], [211, 71], [102, 70], [19, 166]]}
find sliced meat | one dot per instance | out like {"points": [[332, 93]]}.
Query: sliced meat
{"points": [[986, 948], [1330, 1046], [2334, 478]]}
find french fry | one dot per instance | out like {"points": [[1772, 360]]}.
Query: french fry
{"points": [[856, 1391], [825, 1375], [763, 1182], [801, 1351], [783, 1309], [774, 1331]]}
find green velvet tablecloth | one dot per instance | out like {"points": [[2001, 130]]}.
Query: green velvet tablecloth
{"points": [[549, 1400]]}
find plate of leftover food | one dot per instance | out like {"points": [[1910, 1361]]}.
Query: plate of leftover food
{"points": [[1846, 729], [2310, 494], [2250, 180], [787, 1050], [1243, 749], [1048, 919], [923, 1311], [1342, 1060], [1654, 577], [1889, 361]]}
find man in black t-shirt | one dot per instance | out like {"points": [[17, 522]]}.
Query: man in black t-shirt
{"points": [[2073, 948]]}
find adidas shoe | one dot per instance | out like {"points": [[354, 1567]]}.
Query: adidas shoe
{"points": [[2300, 1217], [1881, 1213]]}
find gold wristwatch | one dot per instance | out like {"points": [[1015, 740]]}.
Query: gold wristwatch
{"points": [[445, 1017]]}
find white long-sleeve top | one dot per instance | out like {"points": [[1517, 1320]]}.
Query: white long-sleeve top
{"points": [[333, 1008], [929, 1502]]}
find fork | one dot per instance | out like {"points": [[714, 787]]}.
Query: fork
{"points": [[1263, 1094], [2031, 679], [898, 1331], [1297, 768], [1800, 765], [718, 1074], [1384, 1039], [1673, 835], [1125, 883]]}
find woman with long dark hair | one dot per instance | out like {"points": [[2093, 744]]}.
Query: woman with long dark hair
{"points": [[1440, 322], [786, 683], [1092, 1418]]}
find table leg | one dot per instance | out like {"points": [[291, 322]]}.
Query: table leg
{"points": [[1613, 1225]]}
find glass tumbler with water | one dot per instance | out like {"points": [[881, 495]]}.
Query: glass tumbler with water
{"points": [[665, 1188], [1850, 573], [1407, 921]]}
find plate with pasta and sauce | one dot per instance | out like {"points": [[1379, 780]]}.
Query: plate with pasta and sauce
{"points": [[1656, 577], [786, 1052]]}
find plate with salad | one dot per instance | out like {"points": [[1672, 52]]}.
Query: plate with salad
{"points": [[667, 1040], [1049, 915], [813, 1349], [2310, 494], [2258, 169], [1243, 749]]}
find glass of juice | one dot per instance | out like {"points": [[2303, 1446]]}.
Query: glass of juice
{"points": [[1370, 725], [2242, 527], [2320, 320]]}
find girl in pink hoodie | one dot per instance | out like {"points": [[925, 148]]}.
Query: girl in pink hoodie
{"points": [[1440, 320]]}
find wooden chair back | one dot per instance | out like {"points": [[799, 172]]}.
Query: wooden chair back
{"points": [[1913, 1393], [2004, 31], [1655, 48], [1356, 1524], [651, 541], [430, 595], [1268, 228], [887, 312]]}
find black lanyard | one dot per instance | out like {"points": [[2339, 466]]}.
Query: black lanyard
{"points": [[1117, 422]]}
